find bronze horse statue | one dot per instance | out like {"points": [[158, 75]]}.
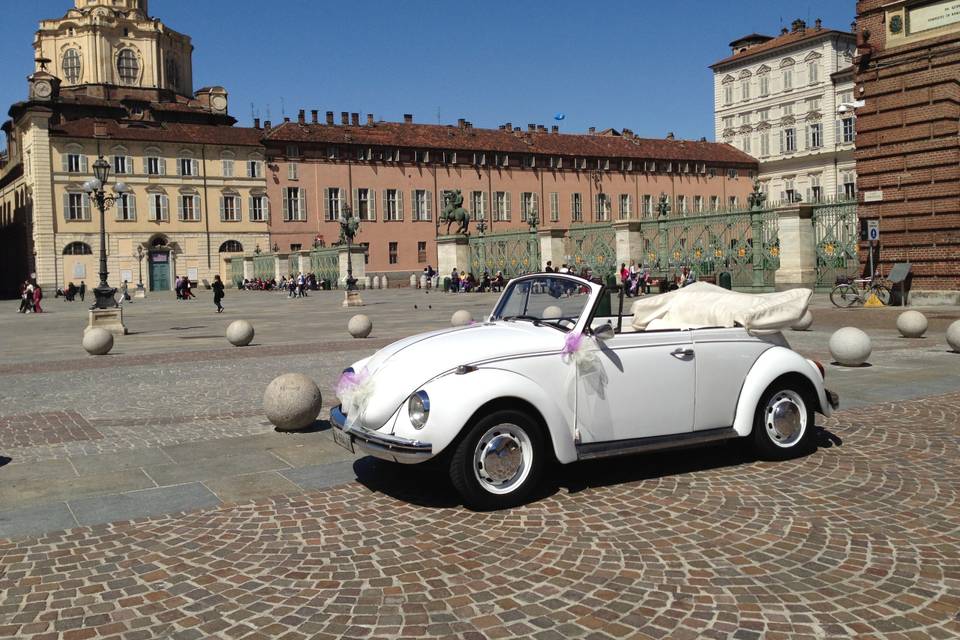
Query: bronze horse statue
{"points": [[453, 211]]}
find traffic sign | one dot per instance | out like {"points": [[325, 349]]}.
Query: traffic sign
{"points": [[873, 230]]}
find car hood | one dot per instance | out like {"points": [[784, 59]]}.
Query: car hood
{"points": [[396, 371]]}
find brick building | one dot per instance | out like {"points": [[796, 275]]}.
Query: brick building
{"points": [[394, 175], [908, 159]]}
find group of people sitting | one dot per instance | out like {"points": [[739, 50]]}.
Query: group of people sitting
{"points": [[637, 280], [257, 284], [465, 282], [70, 292]]}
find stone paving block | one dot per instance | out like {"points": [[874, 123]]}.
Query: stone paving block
{"points": [[251, 486], [313, 452], [321, 475], [35, 520], [223, 447], [38, 491], [227, 464], [45, 469], [119, 461], [142, 504]]}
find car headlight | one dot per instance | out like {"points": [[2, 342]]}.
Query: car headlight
{"points": [[419, 409]]}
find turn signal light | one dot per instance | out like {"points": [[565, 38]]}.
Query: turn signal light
{"points": [[823, 372]]}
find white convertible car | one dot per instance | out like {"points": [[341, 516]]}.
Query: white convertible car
{"points": [[553, 376]]}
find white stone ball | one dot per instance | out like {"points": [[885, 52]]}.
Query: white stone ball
{"points": [[803, 323], [240, 333], [98, 342], [912, 324], [461, 318], [850, 346], [359, 326], [292, 401], [953, 336], [552, 312]]}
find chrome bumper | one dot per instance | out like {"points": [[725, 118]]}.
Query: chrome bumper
{"points": [[381, 445]]}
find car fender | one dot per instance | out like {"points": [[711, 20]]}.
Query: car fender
{"points": [[455, 398], [773, 363]]}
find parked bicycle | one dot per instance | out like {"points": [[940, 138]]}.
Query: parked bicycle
{"points": [[858, 291]]}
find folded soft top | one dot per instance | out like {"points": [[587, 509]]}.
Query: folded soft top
{"points": [[706, 305]]}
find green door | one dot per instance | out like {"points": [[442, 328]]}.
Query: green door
{"points": [[160, 271]]}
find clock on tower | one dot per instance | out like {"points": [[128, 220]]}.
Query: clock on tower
{"points": [[43, 85]]}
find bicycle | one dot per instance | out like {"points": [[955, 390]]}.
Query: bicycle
{"points": [[846, 295]]}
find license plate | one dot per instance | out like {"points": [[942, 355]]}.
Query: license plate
{"points": [[343, 439]]}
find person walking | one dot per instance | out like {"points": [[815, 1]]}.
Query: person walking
{"points": [[218, 292], [26, 297], [187, 294], [37, 297], [83, 290]]}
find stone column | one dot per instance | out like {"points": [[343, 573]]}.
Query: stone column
{"points": [[629, 243], [281, 265], [551, 246], [359, 269], [452, 252], [798, 251]]}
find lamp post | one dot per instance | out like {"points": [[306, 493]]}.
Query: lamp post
{"points": [[95, 189], [139, 257], [349, 226]]}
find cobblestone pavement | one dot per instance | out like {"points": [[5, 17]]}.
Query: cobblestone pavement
{"points": [[859, 539]]}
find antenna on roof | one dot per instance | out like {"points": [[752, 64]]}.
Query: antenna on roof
{"points": [[253, 112], [438, 116], [268, 111], [283, 109]]}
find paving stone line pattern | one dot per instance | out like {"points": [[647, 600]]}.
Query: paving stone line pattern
{"points": [[859, 539]]}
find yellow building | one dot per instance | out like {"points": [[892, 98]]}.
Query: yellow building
{"points": [[111, 81]]}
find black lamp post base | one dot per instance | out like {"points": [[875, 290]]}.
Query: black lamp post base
{"points": [[106, 298]]}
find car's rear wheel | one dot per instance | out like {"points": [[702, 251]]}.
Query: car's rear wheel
{"points": [[784, 422], [499, 461]]}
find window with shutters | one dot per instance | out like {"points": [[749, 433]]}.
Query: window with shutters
{"points": [[787, 79], [529, 206], [530, 162], [786, 109], [816, 190], [392, 252], [728, 122], [154, 166], [126, 207], [698, 204], [732, 174], [333, 203], [258, 208], [745, 143], [816, 135], [745, 90], [293, 172], [789, 190], [159, 207], [764, 86], [189, 209], [364, 205], [647, 205], [733, 203], [554, 206], [576, 207], [421, 251], [602, 213], [293, 151], [254, 169], [682, 205], [422, 205], [478, 205], [296, 246], [501, 201], [714, 203], [391, 206], [333, 153], [230, 208], [765, 144], [849, 130], [421, 156], [813, 104], [728, 94], [77, 206], [625, 206], [813, 72], [75, 163], [294, 207], [226, 167], [121, 165], [502, 159], [789, 140], [187, 166], [479, 159], [849, 185]]}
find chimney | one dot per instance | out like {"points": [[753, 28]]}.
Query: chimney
{"points": [[508, 126], [302, 117], [370, 119], [670, 136], [355, 119], [592, 130], [703, 138], [517, 129], [461, 122], [469, 125], [100, 129], [314, 116], [344, 117], [329, 117], [286, 118], [818, 24], [554, 129], [267, 125], [500, 127], [531, 127], [408, 118], [784, 31], [256, 123]]}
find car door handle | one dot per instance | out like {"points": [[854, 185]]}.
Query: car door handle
{"points": [[682, 354]]}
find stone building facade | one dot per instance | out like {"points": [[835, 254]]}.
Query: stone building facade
{"points": [[197, 186], [394, 176], [908, 160], [786, 101]]}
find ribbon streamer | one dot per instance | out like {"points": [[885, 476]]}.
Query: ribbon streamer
{"points": [[354, 389]]}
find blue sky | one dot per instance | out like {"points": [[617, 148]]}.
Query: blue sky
{"points": [[640, 64]]}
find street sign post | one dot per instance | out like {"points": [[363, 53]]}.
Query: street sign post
{"points": [[873, 234]]}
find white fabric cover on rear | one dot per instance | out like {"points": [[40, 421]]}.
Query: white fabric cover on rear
{"points": [[705, 305]]}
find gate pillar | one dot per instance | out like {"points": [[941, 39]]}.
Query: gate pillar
{"points": [[551, 247], [798, 250], [452, 252], [248, 267], [629, 243]]}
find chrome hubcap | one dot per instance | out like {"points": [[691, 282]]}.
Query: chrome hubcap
{"points": [[502, 458], [786, 418]]}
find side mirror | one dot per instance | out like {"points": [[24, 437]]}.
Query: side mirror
{"points": [[604, 332]]}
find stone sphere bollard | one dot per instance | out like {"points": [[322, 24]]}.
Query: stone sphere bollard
{"points": [[803, 323], [98, 342], [240, 333], [461, 318], [850, 346], [912, 324], [292, 402], [359, 326], [552, 312], [953, 336]]}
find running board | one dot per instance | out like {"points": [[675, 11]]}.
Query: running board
{"points": [[610, 448]]}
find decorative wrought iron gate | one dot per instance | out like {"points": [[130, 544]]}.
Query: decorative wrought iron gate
{"points": [[264, 267], [513, 252], [236, 269], [836, 237], [591, 246], [325, 264]]}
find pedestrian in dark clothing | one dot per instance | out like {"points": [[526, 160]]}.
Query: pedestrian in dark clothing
{"points": [[218, 293], [83, 290]]}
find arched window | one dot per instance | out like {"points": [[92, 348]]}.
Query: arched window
{"points": [[231, 246], [77, 249], [71, 66], [128, 67]]}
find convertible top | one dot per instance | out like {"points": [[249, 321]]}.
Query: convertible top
{"points": [[705, 305]]}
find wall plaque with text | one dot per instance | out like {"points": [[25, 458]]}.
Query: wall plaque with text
{"points": [[933, 16]]}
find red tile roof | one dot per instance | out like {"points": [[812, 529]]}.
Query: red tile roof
{"points": [[456, 138], [784, 40], [159, 132]]}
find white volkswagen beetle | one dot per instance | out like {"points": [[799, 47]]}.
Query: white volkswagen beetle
{"points": [[552, 375]]}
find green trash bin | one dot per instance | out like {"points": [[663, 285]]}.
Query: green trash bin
{"points": [[446, 284], [725, 280]]}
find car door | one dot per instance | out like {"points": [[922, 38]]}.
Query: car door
{"points": [[724, 358], [637, 385]]}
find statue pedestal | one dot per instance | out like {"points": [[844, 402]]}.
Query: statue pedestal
{"points": [[352, 299], [140, 292], [109, 319], [453, 252]]}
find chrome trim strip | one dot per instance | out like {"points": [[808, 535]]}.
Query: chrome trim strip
{"points": [[382, 445], [610, 448]]}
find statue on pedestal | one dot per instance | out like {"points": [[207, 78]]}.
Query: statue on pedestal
{"points": [[453, 211]]}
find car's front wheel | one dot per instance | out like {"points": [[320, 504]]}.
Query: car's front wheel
{"points": [[499, 461], [784, 422]]}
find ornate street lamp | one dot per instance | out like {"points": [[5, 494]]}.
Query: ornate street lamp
{"points": [[139, 257], [349, 226], [95, 189], [481, 226]]}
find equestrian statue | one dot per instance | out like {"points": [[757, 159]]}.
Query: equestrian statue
{"points": [[453, 211]]}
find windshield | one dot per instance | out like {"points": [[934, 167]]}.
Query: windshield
{"points": [[551, 300]]}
